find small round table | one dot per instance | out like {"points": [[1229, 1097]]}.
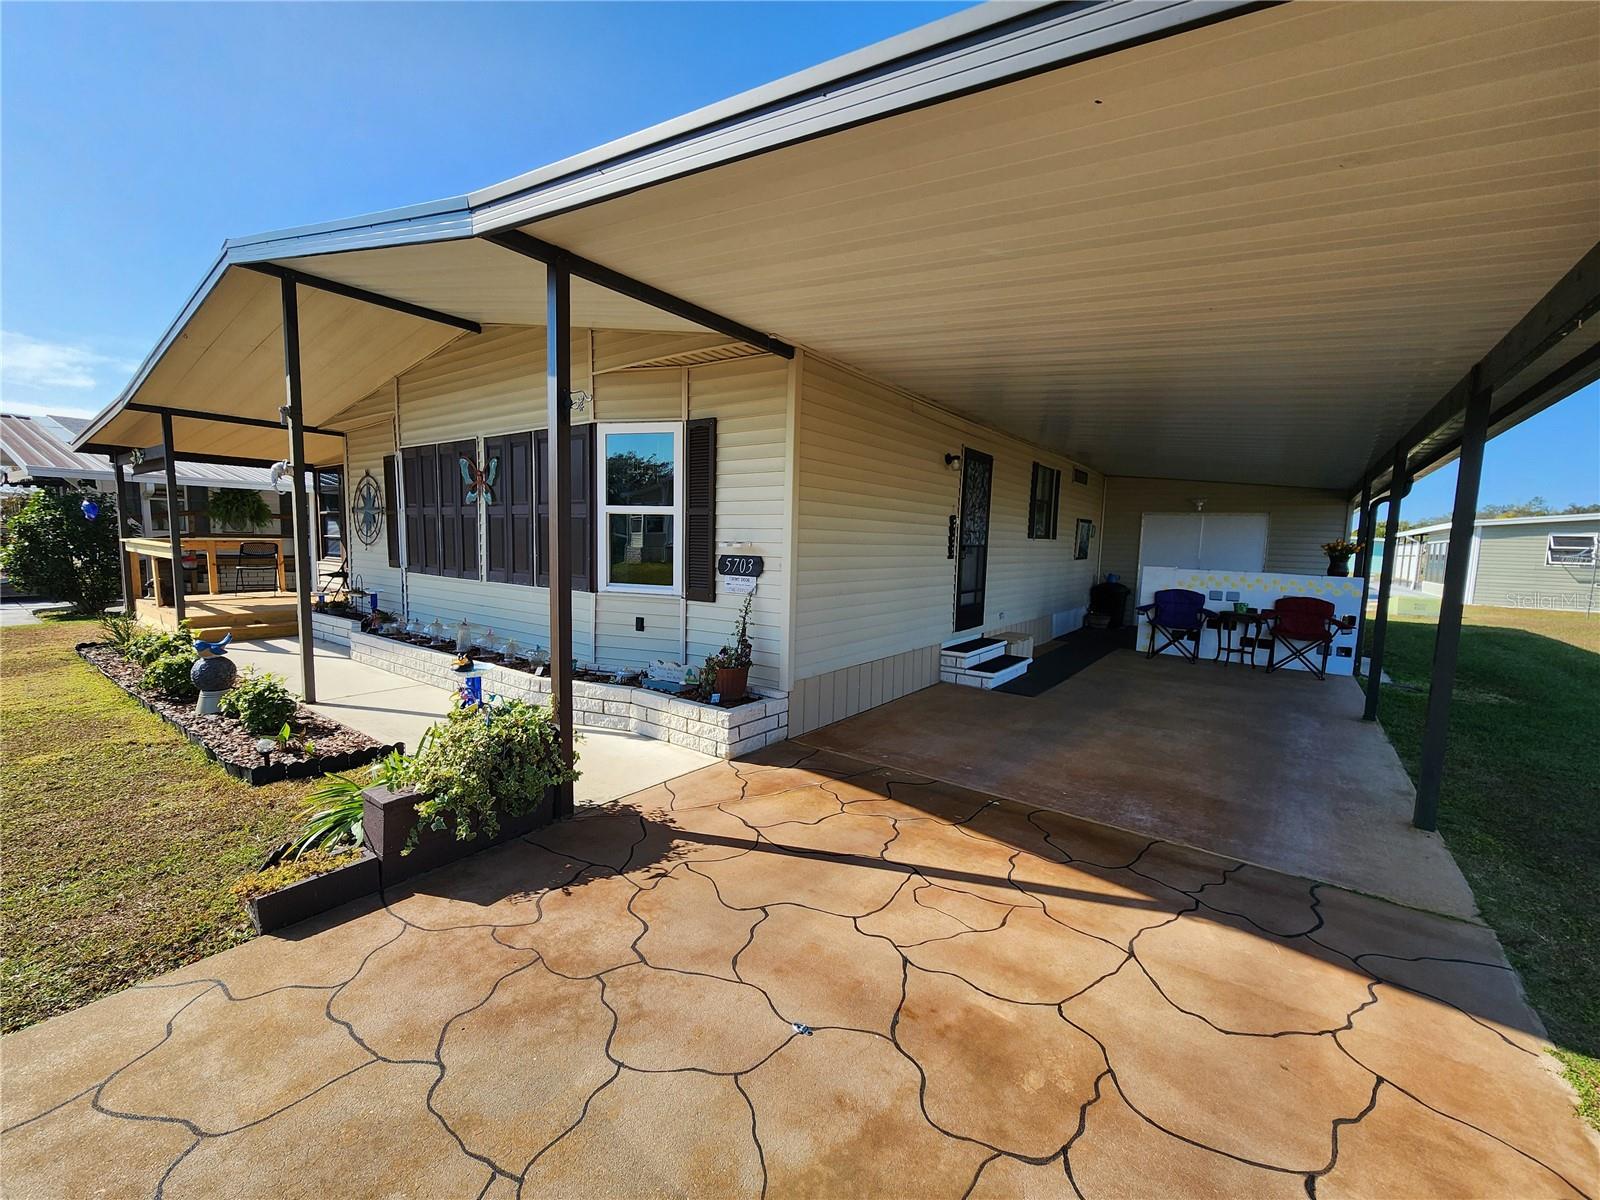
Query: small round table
{"points": [[1232, 628]]}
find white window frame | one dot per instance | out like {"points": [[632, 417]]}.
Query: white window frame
{"points": [[603, 430], [1550, 545]]}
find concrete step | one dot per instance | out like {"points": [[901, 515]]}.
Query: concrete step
{"points": [[990, 673], [965, 655]]}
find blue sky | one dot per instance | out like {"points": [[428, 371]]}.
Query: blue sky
{"points": [[137, 137]]}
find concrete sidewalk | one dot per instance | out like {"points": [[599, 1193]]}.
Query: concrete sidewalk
{"points": [[392, 708]]}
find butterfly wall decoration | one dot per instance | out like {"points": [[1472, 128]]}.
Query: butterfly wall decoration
{"points": [[479, 480]]}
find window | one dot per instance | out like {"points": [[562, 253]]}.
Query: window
{"points": [[1570, 550], [330, 513], [156, 508], [1043, 502], [1435, 555], [640, 471]]}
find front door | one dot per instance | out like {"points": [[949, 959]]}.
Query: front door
{"points": [[972, 544]]}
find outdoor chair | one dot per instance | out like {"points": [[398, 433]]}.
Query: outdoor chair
{"points": [[1177, 616], [1303, 624], [256, 561], [335, 578]]}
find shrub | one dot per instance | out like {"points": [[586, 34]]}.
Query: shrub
{"points": [[238, 509], [259, 702], [53, 550], [169, 675], [275, 879], [145, 645], [482, 762]]}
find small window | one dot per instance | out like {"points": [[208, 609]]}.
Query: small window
{"points": [[1043, 502], [1570, 550], [330, 512], [639, 473]]}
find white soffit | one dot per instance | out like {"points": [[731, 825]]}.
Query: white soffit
{"points": [[481, 282], [1256, 251]]}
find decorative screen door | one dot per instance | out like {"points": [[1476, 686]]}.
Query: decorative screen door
{"points": [[972, 548]]}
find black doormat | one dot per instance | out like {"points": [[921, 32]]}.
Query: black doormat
{"points": [[1077, 650]]}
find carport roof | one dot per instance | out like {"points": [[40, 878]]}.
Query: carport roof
{"points": [[1195, 239]]}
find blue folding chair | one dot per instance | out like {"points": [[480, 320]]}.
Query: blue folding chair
{"points": [[1178, 616]]}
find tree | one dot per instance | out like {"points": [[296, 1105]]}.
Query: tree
{"points": [[54, 550]]}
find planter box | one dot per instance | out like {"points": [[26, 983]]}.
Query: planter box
{"points": [[333, 630], [389, 818], [724, 732], [298, 901]]}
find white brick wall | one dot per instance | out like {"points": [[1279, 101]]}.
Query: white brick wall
{"points": [[724, 732]]}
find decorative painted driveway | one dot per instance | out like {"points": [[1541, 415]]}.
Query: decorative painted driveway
{"points": [[809, 977]]}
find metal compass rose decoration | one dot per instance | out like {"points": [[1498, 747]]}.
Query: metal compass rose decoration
{"points": [[479, 480], [366, 509]]}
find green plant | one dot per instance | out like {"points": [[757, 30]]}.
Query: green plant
{"points": [[1340, 548], [146, 645], [259, 702], [120, 630], [238, 509], [480, 763], [274, 879], [53, 550], [331, 819], [169, 675], [735, 655], [393, 770]]}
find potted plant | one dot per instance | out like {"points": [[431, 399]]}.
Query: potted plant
{"points": [[726, 672], [1339, 551]]}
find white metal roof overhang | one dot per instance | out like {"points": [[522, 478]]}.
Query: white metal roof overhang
{"points": [[1254, 251], [1189, 239]]}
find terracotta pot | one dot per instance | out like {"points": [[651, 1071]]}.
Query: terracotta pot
{"points": [[733, 682], [1339, 566]]}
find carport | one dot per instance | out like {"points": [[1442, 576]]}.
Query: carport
{"points": [[1302, 243]]}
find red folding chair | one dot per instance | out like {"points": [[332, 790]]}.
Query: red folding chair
{"points": [[1304, 625]]}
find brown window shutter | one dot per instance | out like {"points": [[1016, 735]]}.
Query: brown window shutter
{"points": [[582, 450], [495, 540], [198, 501], [411, 474], [461, 514], [516, 472], [391, 516], [700, 509]]}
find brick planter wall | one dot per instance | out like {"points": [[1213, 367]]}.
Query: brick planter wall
{"points": [[724, 732]]}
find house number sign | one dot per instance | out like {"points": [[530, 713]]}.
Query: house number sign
{"points": [[746, 565]]}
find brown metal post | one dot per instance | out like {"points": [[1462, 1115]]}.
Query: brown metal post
{"points": [[128, 594], [303, 566], [1447, 637], [558, 469], [1399, 485], [1364, 524], [174, 535]]}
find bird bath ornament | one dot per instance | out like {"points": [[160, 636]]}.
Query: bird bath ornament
{"points": [[212, 674]]}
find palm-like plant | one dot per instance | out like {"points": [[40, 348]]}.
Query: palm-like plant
{"points": [[331, 819]]}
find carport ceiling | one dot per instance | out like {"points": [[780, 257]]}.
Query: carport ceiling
{"points": [[1255, 251]]}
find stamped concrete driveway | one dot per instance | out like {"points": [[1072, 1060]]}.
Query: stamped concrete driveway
{"points": [[809, 977]]}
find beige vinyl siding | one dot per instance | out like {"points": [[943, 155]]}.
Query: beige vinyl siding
{"points": [[749, 399], [823, 699], [494, 383], [875, 498], [1511, 567], [369, 437], [1299, 520], [615, 349]]}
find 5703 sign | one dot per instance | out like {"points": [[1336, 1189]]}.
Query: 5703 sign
{"points": [[745, 565]]}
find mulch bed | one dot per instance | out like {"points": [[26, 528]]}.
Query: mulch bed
{"points": [[338, 747]]}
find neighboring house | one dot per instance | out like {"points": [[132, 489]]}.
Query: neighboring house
{"points": [[941, 332], [1517, 562], [36, 451]]}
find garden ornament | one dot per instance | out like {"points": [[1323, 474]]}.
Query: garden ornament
{"points": [[91, 509], [479, 480], [213, 673]]}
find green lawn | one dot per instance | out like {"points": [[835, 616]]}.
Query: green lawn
{"points": [[1520, 806], [121, 839]]}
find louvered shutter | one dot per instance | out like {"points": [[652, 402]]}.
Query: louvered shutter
{"points": [[508, 517], [495, 542], [411, 476], [700, 509], [459, 513], [581, 447], [391, 515]]}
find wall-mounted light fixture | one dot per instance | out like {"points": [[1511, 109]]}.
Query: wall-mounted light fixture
{"points": [[952, 461], [280, 472], [1199, 503]]}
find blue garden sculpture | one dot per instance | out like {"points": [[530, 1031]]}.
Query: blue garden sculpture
{"points": [[213, 673]]}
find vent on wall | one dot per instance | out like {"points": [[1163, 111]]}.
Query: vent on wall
{"points": [[1079, 475]]}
